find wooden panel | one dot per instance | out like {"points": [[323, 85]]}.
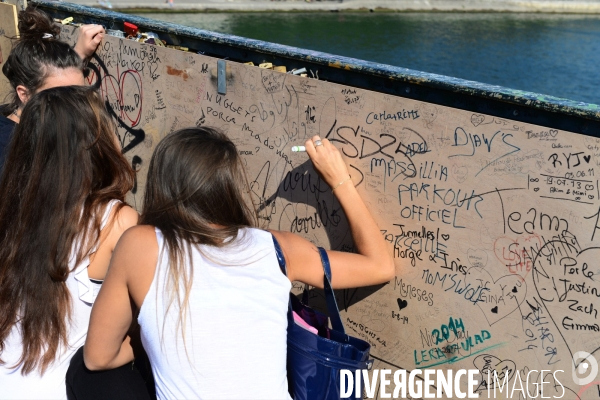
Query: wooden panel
{"points": [[20, 4], [493, 223], [8, 30]]}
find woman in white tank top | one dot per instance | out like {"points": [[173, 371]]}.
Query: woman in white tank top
{"points": [[61, 214], [212, 300]]}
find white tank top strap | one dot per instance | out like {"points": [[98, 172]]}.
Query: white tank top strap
{"points": [[86, 289], [148, 308], [107, 211], [159, 238]]}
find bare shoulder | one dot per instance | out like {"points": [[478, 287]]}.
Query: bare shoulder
{"points": [[126, 217], [136, 255], [121, 219], [138, 237]]}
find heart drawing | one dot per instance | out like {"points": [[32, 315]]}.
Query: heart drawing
{"points": [[497, 300], [272, 81], [487, 364], [459, 173], [477, 257], [477, 119], [402, 303], [565, 279]]}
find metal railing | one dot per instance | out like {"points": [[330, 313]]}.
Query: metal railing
{"points": [[473, 96]]}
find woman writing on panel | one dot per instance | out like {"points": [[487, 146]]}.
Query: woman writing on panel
{"points": [[38, 61], [61, 214], [212, 299]]}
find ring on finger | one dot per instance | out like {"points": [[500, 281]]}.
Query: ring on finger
{"points": [[318, 143]]}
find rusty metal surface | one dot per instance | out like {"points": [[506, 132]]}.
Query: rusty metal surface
{"points": [[454, 92]]}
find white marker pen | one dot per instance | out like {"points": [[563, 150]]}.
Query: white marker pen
{"points": [[298, 148]]}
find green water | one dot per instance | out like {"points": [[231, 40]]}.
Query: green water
{"points": [[545, 53]]}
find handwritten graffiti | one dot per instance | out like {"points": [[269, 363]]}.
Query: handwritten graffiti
{"points": [[124, 107], [475, 209]]}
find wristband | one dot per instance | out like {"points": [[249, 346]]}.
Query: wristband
{"points": [[341, 183]]}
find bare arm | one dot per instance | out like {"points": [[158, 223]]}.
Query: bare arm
{"points": [[124, 219], [374, 263], [129, 276]]}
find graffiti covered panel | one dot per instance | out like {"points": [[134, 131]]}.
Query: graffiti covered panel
{"points": [[493, 223]]}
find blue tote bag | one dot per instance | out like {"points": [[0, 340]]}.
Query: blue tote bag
{"points": [[314, 361]]}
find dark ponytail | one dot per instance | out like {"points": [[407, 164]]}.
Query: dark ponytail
{"points": [[36, 53]]}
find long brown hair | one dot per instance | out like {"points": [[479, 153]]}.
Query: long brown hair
{"points": [[196, 193], [36, 53], [63, 167]]}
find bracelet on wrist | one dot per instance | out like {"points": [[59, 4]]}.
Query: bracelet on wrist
{"points": [[341, 183]]}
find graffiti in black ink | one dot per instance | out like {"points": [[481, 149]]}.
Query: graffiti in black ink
{"points": [[159, 100], [565, 279], [135, 136], [413, 244], [535, 222], [596, 227], [135, 162], [358, 173], [322, 217], [496, 370], [410, 291], [454, 265], [571, 163], [440, 195], [476, 141], [272, 81], [262, 114], [220, 115], [396, 116], [310, 116], [564, 188], [202, 118], [132, 137], [371, 147], [144, 59]]}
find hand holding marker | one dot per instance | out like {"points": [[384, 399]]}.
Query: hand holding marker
{"points": [[328, 161]]}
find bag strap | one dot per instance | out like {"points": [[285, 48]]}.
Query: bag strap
{"points": [[280, 257], [332, 307]]}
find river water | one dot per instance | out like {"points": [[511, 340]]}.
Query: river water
{"points": [[551, 54]]}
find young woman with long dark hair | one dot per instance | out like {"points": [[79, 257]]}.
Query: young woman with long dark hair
{"points": [[62, 212], [38, 61], [212, 299]]}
